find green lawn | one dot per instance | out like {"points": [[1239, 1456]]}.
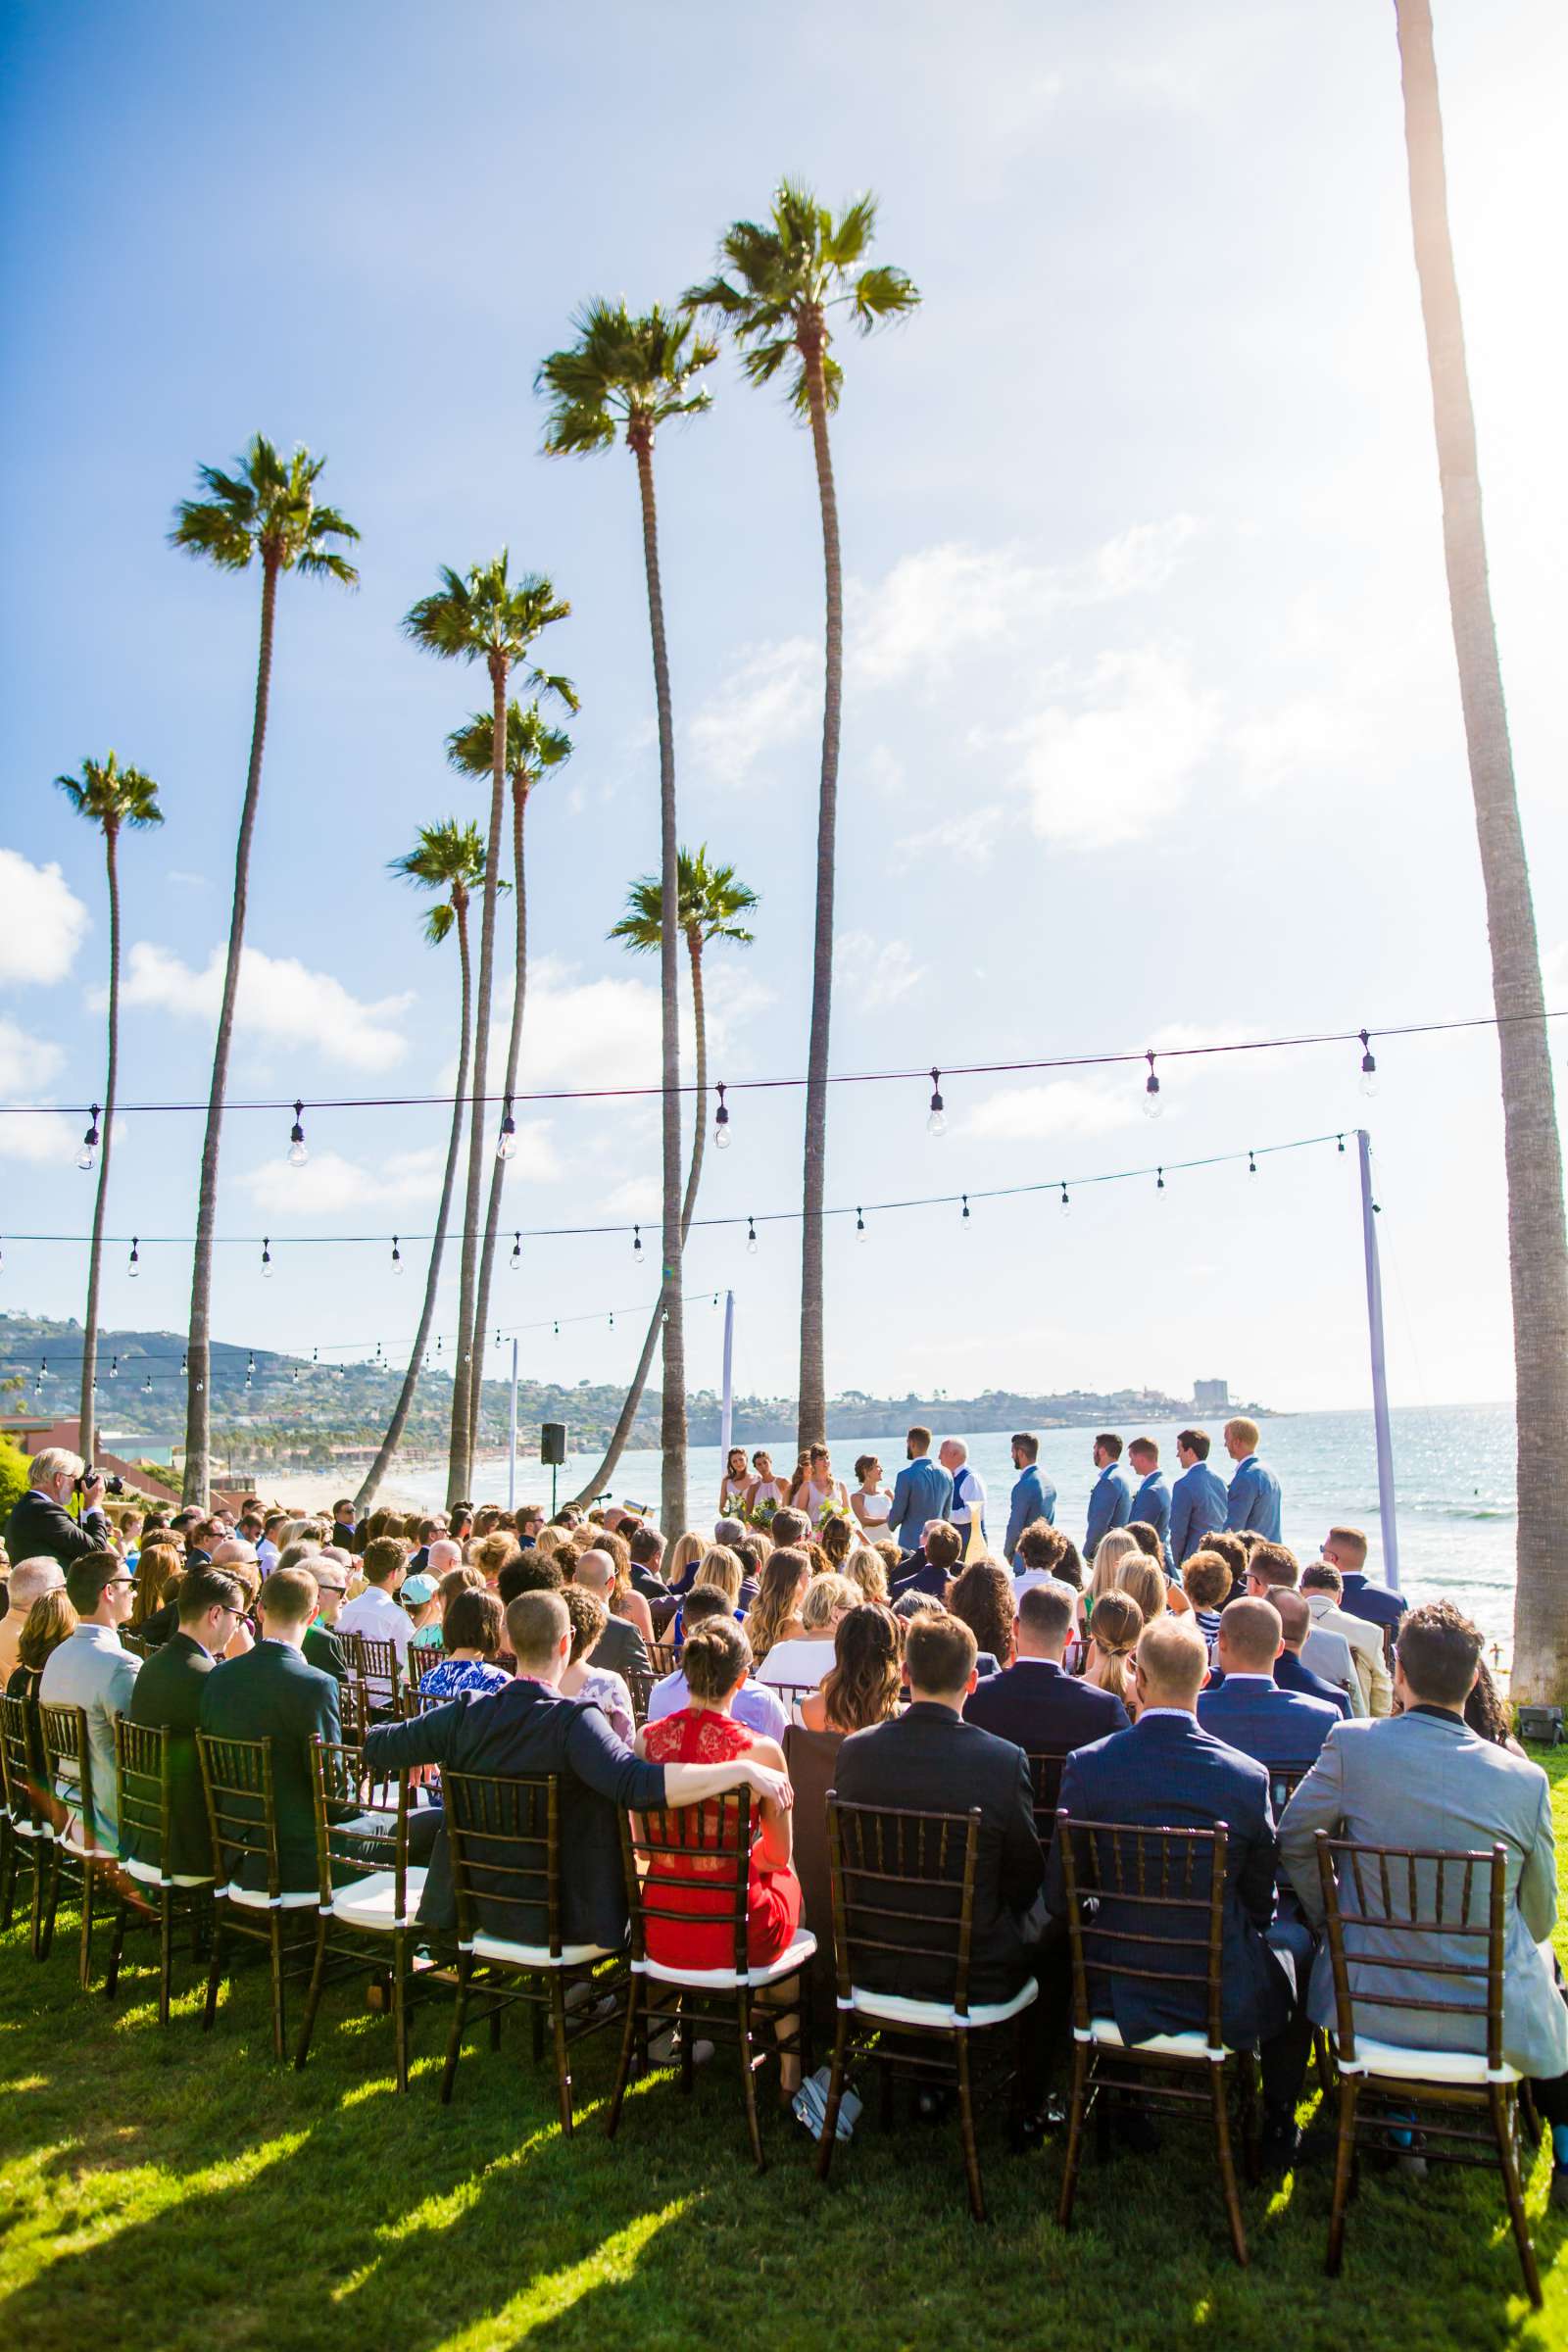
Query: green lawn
{"points": [[183, 2193]]}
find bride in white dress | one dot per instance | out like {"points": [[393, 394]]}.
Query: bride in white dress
{"points": [[871, 1501]]}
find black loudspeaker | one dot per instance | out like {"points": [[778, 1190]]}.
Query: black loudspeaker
{"points": [[553, 1444]]}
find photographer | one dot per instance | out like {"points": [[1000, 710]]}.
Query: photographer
{"points": [[41, 1528]]}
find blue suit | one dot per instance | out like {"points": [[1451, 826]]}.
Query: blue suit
{"points": [[1198, 1503], [1152, 1505], [1167, 1773], [1033, 1497], [1250, 1712], [1110, 1505], [1375, 1602], [1291, 1674], [923, 1491], [1253, 1500]]}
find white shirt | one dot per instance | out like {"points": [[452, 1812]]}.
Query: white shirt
{"points": [[91, 1669], [968, 1497], [802, 1662], [379, 1618]]}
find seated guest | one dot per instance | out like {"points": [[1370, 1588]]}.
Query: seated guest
{"points": [[50, 1621], [624, 1601], [1422, 1779], [92, 1670], [647, 1548], [1034, 1702], [1115, 1548], [1113, 1631], [789, 1527], [799, 1663], [1206, 1582], [375, 1614], [267, 1550], [598, 1685], [1147, 1538], [472, 1629], [866, 1573], [755, 1704], [1272, 1569], [528, 1728], [322, 1647], [1234, 1553], [1345, 1549], [490, 1555], [155, 1605], [1038, 1554], [1487, 1714], [720, 1568], [935, 1564], [1168, 1773], [685, 1554], [536, 1571], [1145, 1580], [443, 1553], [420, 1597], [272, 1693], [168, 1693], [774, 1615], [1247, 1707], [1290, 1672], [863, 1683], [1321, 1588], [30, 1579], [623, 1649], [982, 1595]]}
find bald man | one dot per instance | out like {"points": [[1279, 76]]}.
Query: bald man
{"points": [[967, 1510], [30, 1579], [621, 1645], [1245, 1707]]}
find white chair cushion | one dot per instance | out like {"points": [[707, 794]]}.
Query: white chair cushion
{"points": [[724, 1980], [253, 1899], [898, 2009], [1402, 2065], [1107, 2031], [34, 1829], [535, 1955], [371, 1903], [149, 1873]]}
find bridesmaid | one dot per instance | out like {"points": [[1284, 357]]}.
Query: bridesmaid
{"points": [[766, 1488], [735, 1487], [818, 1485]]}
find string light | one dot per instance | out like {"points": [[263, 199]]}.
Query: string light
{"points": [[113, 1368], [751, 1237], [1159, 1180], [860, 1226], [133, 1262], [965, 1217], [1339, 1140], [1152, 1105], [1369, 1067], [1251, 1163], [87, 1157], [267, 1260], [558, 1331], [184, 1366], [1066, 1204], [937, 1118], [721, 1123], [147, 1386], [297, 1153], [515, 1262], [637, 1242], [612, 1322], [505, 1146], [397, 1257]]}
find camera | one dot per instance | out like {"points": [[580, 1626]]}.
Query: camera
{"points": [[114, 1484]]}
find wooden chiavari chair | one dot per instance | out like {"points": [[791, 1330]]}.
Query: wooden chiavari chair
{"points": [[29, 1822], [242, 1813], [76, 1856], [144, 1765]]}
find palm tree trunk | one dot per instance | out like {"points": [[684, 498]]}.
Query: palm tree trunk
{"points": [[460, 1467], [672, 1414], [497, 1166], [1537, 1246], [411, 1378], [634, 1394], [87, 1429], [198, 1348], [812, 1426]]}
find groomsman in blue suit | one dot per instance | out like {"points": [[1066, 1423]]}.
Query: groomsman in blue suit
{"points": [[1033, 1497], [1197, 1500], [1110, 1498], [1151, 1501], [1253, 1498], [921, 1492]]}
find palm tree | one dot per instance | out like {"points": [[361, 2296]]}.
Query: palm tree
{"points": [[532, 748], [447, 856], [490, 618], [711, 903], [110, 796], [1537, 1246], [632, 374], [787, 275], [265, 511]]}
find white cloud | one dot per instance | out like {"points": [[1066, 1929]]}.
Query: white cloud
{"points": [[278, 998], [330, 1185], [185, 881], [40, 1138], [1554, 974], [638, 1198], [42, 921], [27, 1062], [605, 1033], [1302, 737], [1139, 560], [968, 839], [877, 971], [1055, 1107], [774, 695], [1119, 754]]}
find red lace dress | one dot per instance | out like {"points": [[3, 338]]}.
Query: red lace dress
{"points": [[700, 1735]]}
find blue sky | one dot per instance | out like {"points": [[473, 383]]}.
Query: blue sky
{"points": [[1150, 733]]}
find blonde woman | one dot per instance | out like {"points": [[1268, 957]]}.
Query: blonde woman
{"points": [[625, 1601], [1113, 1631], [864, 1568], [803, 1662], [1112, 1551], [1145, 1582], [684, 1559], [775, 1613]]}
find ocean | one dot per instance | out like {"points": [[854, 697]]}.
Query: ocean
{"points": [[1454, 1470]]}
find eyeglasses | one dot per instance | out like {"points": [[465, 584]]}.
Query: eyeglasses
{"points": [[321, 1588]]}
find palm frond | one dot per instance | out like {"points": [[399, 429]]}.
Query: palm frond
{"points": [[267, 508], [111, 796]]}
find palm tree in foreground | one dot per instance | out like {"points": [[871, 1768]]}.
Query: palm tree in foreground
{"points": [[485, 616], [450, 857], [266, 511], [1537, 1246], [633, 374], [711, 903], [533, 748], [781, 280], [110, 796]]}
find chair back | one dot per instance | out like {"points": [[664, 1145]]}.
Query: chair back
{"points": [[422, 1661], [1284, 1779], [1146, 1906], [902, 1900], [1424, 1929], [376, 1665], [662, 1658], [698, 1871], [21, 1752], [354, 1710], [640, 1680], [67, 1763], [338, 1788], [241, 1809], [1044, 1776], [792, 1697], [812, 1759], [144, 1769], [504, 1845]]}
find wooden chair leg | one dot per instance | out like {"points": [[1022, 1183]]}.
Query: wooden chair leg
{"points": [[1218, 2090], [90, 1879], [313, 1995], [276, 1953], [558, 2020], [165, 1952], [459, 2016], [744, 2024], [117, 1946], [636, 1997], [971, 2152], [1344, 2159], [835, 2093], [1502, 2123], [1078, 2102], [1529, 2118], [46, 1942], [400, 2008], [214, 1970], [7, 1869]]}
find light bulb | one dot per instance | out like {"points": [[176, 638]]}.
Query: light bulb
{"points": [[397, 1256], [133, 1265], [515, 1262], [860, 1226], [1369, 1067], [86, 1158], [1066, 1204], [297, 1153], [267, 1261], [506, 1146], [1153, 1107], [936, 1121], [965, 1220], [751, 1237], [721, 1132], [637, 1242]]}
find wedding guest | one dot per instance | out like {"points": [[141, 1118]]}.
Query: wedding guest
{"points": [[967, 1510], [49, 1621], [861, 1687], [1147, 1584], [775, 1614], [624, 1601], [982, 1598], [623, 1648], [1206, 1582], [865, 1569], [490, 1555], [1234, 1554], [376, 1613], [1034, 1701], [322, 1647], [1345, 1549], [645, 1547], [272, 1693], [30, 1579], [1110, 1498], [1253, 1500], [1032, 1495], [1112, 1552], [1272, 1569], [599, 1685], [755, 1704], [735, 1487], [1321, 1588], [1290, 1671], [1113, 1631], [167, 1694], [92, 1670], [684, 1559], [471, 1630], [420, 1597], [869, 1500], [935, 1564], [1151, 1501], [1037, 1555], [796, 1663], [1245, 1706], [1197, 1500], [41, 1528]]}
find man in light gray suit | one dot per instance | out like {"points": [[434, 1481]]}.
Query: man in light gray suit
{"points": [[1424, 1779]]}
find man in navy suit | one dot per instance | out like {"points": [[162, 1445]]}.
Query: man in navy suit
{"points": [[1110, 1498], [1247, 1709], [935, 1564], [1168, 1773], [1345, 1549], [1151, 1501], [1197, 1500], [1034, 1702], [922, 1492], [1033, 1497], [1296, 1624]]}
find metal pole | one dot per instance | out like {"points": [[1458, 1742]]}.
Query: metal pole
{"points": [[512, 1444], [726, 1410], [1380, 1369]]}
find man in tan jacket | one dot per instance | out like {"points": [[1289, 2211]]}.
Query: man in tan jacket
{"points": [[1321, 1589]]}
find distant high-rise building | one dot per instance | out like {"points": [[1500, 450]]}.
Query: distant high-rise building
{"points": [[1212, 1396]]}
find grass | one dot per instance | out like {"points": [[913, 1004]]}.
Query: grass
{"points": [[183, 2192]]}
